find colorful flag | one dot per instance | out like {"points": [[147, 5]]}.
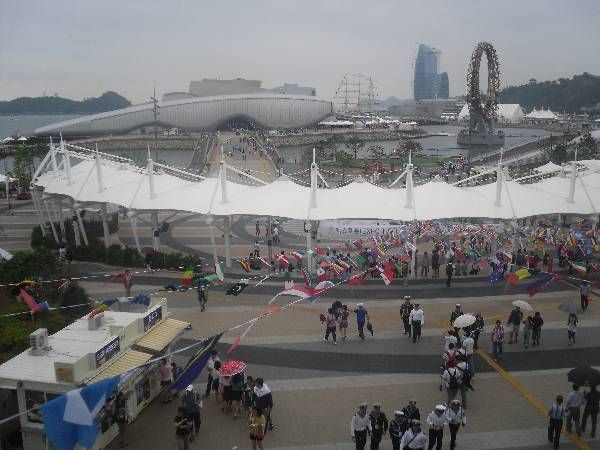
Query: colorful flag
{"points": [[238, 340], [320, 251], [237, 288], [71, 418], [343, 264], [321, 275], [358, 243], [540, 283], [579, 268], [306, 275], [497, 274], [298, 255], [307, 293], [245, 265], [380, 250], [357, 279], [188, 274], [283, 260], [219, 272], [359, 260], [34, 306], [263, 260]]}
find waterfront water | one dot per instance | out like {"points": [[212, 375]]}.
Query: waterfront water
{"points": [[26, 124]]}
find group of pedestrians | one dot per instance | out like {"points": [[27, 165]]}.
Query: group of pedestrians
{"points": [[413, 318], [338, 316], [405, 429], [571, 410]]}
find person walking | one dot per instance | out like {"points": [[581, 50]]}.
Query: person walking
{"points": [[456, 313], [497, 340], [192, 404], [344, 314], [455, 416], [263, 400], [398, 427], [405, 310], [556, 414], [257, 428], [449, 272], [330, 326], [592, 405], [379, 425], [572, 322], [585, 291], [527, 328], [360, 426], [411, 412], [416, 319], [121, 417], [477, 328], [536, 330], [414, 438], [514, 323], [257, 228], [166, 378], [202, 293], [182, 429], [210, 367], [451, 378], [468, 344], [435, 264], [573, 404], [362, 316], [425, 265], [436, 421], [127, 282]]}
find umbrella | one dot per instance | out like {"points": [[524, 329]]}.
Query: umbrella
{"points": [[570, 308], [584, 376], [22, 139], [5, 255], [230, 368], [523, 305], [464, 321], [8, 139]]}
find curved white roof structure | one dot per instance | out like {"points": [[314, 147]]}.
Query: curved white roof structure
{"points": [[542, 114], [93, 178], [507, 112], [201, 114]]}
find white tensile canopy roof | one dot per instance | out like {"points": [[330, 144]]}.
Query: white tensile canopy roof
{"points": [[139, 189], [542, 114], [549, 167]]}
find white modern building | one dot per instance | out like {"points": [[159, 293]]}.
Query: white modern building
{"points": [[269, 111]]}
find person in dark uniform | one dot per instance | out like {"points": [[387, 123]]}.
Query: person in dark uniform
{"points": [[398, 427], [411, 412], [379, 425], [449, 272], [405, 310]]}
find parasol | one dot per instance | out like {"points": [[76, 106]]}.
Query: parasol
{"points": [[230, 368], [523, 305], [584, 376], [464, 320]]}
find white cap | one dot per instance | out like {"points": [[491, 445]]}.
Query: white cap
{"points": [[360, 304], [440, 408], [189, 388], [399, 413]]}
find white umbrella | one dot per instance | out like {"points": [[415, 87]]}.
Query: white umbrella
{"points": [[22, 138], [8, 139], [464, 321], [523, 305], [5, 255]]}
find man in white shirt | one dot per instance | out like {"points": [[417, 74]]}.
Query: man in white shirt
{"points": [[455, 415], [210, 367], [573, 405], [468, 344], [414, 438], [360, 425], [436, 421], [416, 320], [452, 379]]}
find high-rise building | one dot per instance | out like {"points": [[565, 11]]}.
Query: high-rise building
{"points": [[428, 84]]}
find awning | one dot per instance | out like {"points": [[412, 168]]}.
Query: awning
{"points": [[128, 360], [161, 335]]}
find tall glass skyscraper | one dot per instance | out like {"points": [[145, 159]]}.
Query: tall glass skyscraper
{"points": [[428, 83]]}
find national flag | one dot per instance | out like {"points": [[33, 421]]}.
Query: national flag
{"points": [[336, 270], [460, 256], [245, 265], [140, 299], [307, 293], [320, 251], [71, 418], [483, 262], [298, 255], [539, 283], [358, 243], [306, 275], [265, 262], [188, 274], [581, 270], [118, 278], [380, 249], [321, 275], [522, 273], [237, 288], [359, 260], [33, 305], [196, 363], [497, 274], [343, 264], [288, 282], [384, 276], [238, 340], [357, 279], [283, 260]]}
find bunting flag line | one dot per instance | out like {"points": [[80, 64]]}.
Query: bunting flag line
{"points": [[263, 260], [34, 306], [306, 276], [238, 340]]}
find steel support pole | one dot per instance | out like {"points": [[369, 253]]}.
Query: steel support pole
{"points": [[54, 233], [155, 231], [227, 234], [105, 229], [61, 220], [74, 222]]}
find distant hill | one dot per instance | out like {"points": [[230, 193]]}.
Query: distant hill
{"points": [[58, 105], [564, 94]]}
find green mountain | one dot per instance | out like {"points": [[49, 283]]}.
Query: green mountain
{"points": [[564, 94], [58, 105]]}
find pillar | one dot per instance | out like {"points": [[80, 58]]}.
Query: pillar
{"points": [[133, 219], [227, 234], [54, 233], [105, 230], [74, 220], [573, 179], [155, 231], [61, 219]]}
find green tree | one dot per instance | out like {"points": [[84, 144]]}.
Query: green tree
{"points": [[376, 151], [22, 166], [559, 154], [344, 159], [587, 147], [354, 144]]}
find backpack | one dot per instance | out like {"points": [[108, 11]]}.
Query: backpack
{"points": [[451, 359], [189, 402], [453, 383]]}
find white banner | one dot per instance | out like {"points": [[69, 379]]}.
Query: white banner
{"points": [[357, 229]]}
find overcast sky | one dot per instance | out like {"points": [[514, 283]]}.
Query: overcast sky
{"points": [[81, 48]]}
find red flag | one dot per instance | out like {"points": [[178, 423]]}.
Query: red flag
{"points": [[320, 251], [550, 264], [357, 279], [238, 340], [321, 275]]}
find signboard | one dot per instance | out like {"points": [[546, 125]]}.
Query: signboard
{"points": [[108, 351], [152, 318], [356, 229]]}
